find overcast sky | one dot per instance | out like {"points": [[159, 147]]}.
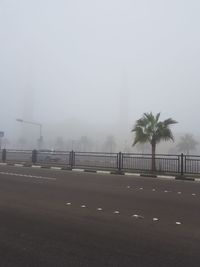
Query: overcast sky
{"points": [[77, 59]]}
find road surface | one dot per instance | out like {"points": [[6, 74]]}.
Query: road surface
{"points": [[65, 218]]}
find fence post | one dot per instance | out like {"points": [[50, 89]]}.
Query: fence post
{"points": [[71, 158], [119, 161], [34, 156], [4, 155], [182, 164]]}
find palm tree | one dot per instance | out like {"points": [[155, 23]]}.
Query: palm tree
{"points": [[187, 143], [149, 129]]}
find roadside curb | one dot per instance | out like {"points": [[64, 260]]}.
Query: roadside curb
{"points": [[115, 172]]}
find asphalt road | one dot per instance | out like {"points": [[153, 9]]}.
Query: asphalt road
{"points": [[64, 218]]}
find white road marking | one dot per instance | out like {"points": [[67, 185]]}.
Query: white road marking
{"points": [[193, 194], [138, 216], [103, 172], [83, 206], [2, 163], [153, 189], [166, 191], [36, 166], [18, 165], [166, 177], [99, 209], [128, 186], [178, 223], [78, 170], [68, 203], [116, 212], [155, 219], [129, 173], [27, 175], [179, 193], [56, 168], [141, 188]]}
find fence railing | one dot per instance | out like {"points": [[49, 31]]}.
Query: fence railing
{"points": [[143, 162], [177, 164], [191, 164]]}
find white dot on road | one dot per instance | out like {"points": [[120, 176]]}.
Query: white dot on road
{"points": [[138, 216], [179, 193], [141, 188], [83, 206], [68, 203], [116, 212], [155, 219], [153, 189], [178, 223], [128, 186], [99, 209], [193, 194]]}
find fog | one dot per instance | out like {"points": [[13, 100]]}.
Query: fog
{"points": [[91, 68]]}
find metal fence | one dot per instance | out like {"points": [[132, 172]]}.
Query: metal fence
{"points": [[96, 160], [143, 162], [191, 164], [54, 157], [21, 156], [177, 164]]}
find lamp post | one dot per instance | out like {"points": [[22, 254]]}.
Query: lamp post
{"points": [[40, 130]]}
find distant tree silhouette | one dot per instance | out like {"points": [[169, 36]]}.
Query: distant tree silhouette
{"points": [[110, 144], [187, 144], [85, 144]]}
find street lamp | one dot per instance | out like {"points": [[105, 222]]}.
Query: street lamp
{"points": [[40, 129]]}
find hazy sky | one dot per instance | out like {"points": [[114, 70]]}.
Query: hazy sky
{"points": [[73, 58]]}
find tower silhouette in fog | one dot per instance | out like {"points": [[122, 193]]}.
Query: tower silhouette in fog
{"points": [[124, 106]]}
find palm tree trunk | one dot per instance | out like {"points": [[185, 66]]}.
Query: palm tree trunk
{"points": [[153, 157]]}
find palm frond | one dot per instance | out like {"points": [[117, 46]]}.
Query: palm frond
{"points": [[169, 121], [157, 117], [140, 136]]}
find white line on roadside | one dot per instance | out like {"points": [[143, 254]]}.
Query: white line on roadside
{"points": [[3, 164], [166, 177], [18, 165], [56, 168], [36, 166], [103, 172], [27, 175], [41, 177], [78, 170], [129, 173]]}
